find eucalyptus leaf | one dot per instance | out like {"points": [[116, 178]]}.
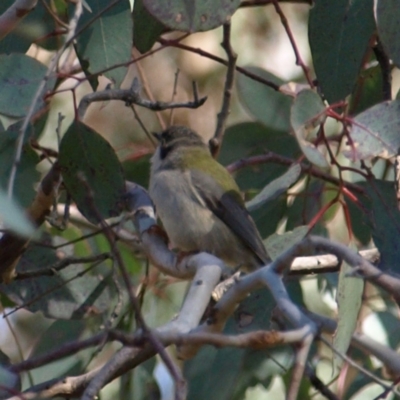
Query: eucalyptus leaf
{"points": [[349, 298], [91, 172], [192, 15], [339, 32], [146, 28], [375, 132], [277, 244], [307, 112], [388, 24], [267, 105], [105, 39], [20, 77], [275, 188]]}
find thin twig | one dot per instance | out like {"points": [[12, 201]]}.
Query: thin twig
{"points": [[299, 60], [132, 96], [200, 52], [216, 142], [58, 266]]}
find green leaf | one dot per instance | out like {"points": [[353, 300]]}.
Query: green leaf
{"points": [[146, 29], [339, 33], [27, 175], [277, 244], [349, 299], [91, 172], [14, 217], [249, 139], [20, 77], [368, 90], [388, 24], [275, 188], [192, 15], [307, 112], [375, 132], [70, 294], [268, 217], [267, 105], [384, 219], [106, 39]]}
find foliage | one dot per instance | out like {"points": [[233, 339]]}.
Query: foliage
{"points": [[314, 151]]}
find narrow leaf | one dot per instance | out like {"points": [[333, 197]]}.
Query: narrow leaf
{"points": [[339, 33], [275, 188], [349, 298], [388, 23]]}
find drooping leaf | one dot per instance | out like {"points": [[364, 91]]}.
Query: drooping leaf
{"points": [[192, 15], [146, 28], [26, 176], [349, 298], [339, 32], [91, 172], [307, 112], [20, 77], [384, 219], [268, 106], [375, 132], [70, 294], [278, 244], [106, 39], [387, 21], [275, 188]]}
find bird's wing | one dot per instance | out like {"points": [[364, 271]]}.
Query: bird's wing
{"points": [[229, 208]]}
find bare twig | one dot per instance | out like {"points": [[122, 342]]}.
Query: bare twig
{"points": [[299, 60], [200, 52], [216, 141], [65, 262], [132, 96]]}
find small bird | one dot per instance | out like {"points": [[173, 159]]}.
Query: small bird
{"points": [[200, 204]]}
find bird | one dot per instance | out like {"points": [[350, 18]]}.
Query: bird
{"points": [[200, 204]]}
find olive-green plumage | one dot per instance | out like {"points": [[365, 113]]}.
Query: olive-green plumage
{"points": [[199, 203]]}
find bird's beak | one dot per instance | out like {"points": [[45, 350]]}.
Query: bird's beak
{"points": [[157, 136]]}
